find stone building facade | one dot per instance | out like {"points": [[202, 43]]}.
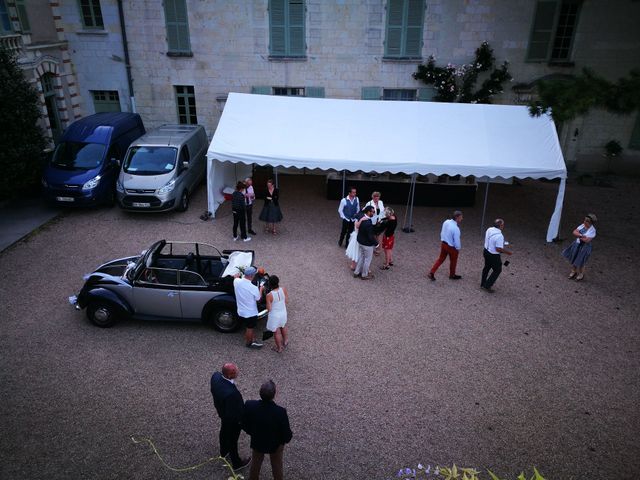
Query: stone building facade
{"points": [[187, 55]]}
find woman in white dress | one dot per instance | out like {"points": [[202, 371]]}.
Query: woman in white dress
{"points": [[277, 321], [352, 251]]}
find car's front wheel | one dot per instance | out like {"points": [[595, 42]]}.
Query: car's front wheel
{"points": [[102, 314], [224, 320], [183, 203]]}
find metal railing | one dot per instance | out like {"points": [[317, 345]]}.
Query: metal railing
{"points": [[12, 43]]}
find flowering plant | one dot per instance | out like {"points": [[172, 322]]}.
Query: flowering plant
{"points": [[455, 473], [457, 83]]}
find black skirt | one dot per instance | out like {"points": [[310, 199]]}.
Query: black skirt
{"points": [[271, 213]]}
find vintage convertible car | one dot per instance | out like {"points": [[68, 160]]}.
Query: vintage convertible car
{"points": [[171, 281]]}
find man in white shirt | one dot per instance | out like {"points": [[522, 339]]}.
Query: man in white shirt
{"points": [[493, 247], [449, 246], [348, 209], [250, 197], [247, 294]]}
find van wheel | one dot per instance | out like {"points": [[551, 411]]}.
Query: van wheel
{"points": [[184, 202]]}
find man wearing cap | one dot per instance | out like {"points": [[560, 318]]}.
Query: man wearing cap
{"points": [[247, 294], [493, 247], [229, 404], [449, 246]]}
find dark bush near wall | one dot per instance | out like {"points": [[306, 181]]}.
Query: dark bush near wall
{"points": [[21, 140]]}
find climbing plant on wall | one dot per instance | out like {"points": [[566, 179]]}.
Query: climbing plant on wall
{"points": [[457, 83]]}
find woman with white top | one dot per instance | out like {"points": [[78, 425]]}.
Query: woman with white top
{"points": [[277, 321], [579, 251], [378, 215]]}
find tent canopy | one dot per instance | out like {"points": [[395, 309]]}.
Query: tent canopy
{"points": [[383, 136]]}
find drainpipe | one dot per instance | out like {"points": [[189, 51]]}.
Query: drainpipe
{"points": [[125, 45]]}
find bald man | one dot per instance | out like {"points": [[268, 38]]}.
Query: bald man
{"points": [[229, 405]]}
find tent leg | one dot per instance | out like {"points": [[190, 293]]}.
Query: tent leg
{"points": [[484, 208], [275, 172], [408, 228], [344, 179]]}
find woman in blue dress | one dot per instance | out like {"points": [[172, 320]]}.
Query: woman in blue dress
{"points": [[579, 251]]}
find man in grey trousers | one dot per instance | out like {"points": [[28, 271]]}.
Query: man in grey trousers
{"points": [[367, 242]]}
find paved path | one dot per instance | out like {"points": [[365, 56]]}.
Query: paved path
{"points": [[18, 218]]}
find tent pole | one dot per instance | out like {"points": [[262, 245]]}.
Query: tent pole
{"points": [[275, 171], [413, 194], [484, 208], [344, 179], [412, 187]]}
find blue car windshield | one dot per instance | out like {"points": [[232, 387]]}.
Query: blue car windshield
{"points": [[150, 160], [78, 155]]}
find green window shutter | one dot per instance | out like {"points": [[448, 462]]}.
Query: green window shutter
{"points": [[296, 28], [426, 94], [261, 90], [105, 101], [22, 16], [5, 21], [175, 12], [395, 15], [415, 22], [277, 27], [371, 93], [314, 92], [634, 143], [542, 30], [91, 13]]}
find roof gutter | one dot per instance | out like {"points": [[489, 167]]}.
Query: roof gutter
{"points": [[125, 46]]}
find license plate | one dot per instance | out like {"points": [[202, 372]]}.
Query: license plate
{"points": [[141, 204], [65, 199]]}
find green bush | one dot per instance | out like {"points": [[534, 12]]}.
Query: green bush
{"points": [[21, 139]]}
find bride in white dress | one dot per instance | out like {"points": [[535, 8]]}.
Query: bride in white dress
{"points": [[277, 320], [352, 251]]}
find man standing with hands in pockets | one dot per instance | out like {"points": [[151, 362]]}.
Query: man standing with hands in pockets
{"points": [[348, 208]]}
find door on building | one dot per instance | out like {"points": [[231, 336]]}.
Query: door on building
{"points": [[48, 82]]}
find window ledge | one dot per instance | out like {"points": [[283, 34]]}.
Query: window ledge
{"points": [[402, 59], [561, 63], [97, 31], [179, 54], [283, 58]]}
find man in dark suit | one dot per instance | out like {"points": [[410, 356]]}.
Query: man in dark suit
{"points": [[268, 426], [229, 404]]}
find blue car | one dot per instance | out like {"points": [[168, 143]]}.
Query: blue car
{"points": [[86, 162]]}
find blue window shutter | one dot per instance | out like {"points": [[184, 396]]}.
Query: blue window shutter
{"points": [[634, 143], [415, 22], [296, 42], [542, 30], [314, 92], [22, 16], [277, 27], [426, 94], [261, 90], [395, 15], [371, 93]]}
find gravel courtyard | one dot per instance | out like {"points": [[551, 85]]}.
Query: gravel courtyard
{"points": [[379, 375]]}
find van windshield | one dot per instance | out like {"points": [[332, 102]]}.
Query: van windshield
{"points": [[150, 160], [78, 155]]}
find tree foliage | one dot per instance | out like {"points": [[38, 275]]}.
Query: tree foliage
{"points": [[568, 98], [21, 139], [457, 83]]}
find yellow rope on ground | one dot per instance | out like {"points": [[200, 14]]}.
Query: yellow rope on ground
{"points": [[184, 469]]}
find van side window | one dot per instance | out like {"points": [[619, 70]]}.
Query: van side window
{"points": [[184, 154]]}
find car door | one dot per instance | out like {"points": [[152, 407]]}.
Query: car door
{"points": [[156, 293], [194, 294]]}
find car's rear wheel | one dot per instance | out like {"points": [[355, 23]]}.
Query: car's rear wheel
{"points": [[102, 314], [183, 205], [224, 320]]}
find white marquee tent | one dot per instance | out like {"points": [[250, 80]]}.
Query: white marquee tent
{"points": [[383, 136]]}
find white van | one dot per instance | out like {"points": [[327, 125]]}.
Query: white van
{"points": [[162, 168]]}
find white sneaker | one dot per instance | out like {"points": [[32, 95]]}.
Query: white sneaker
{"points": [[235, 239], [248, 239]]}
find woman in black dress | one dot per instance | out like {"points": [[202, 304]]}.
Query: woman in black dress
{"points": [[271, 213]]}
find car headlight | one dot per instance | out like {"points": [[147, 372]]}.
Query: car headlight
{"points": [[168, 188], [91, 184], [119, 186]]}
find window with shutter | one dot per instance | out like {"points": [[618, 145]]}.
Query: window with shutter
{"points": [[371, 93], [91, 14], [399, 94], [261, 90], [175, 13], [186, 104], [5, 21], [287, 28], [314, 92], [405, 21], [22, 16], [553, 30]]}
